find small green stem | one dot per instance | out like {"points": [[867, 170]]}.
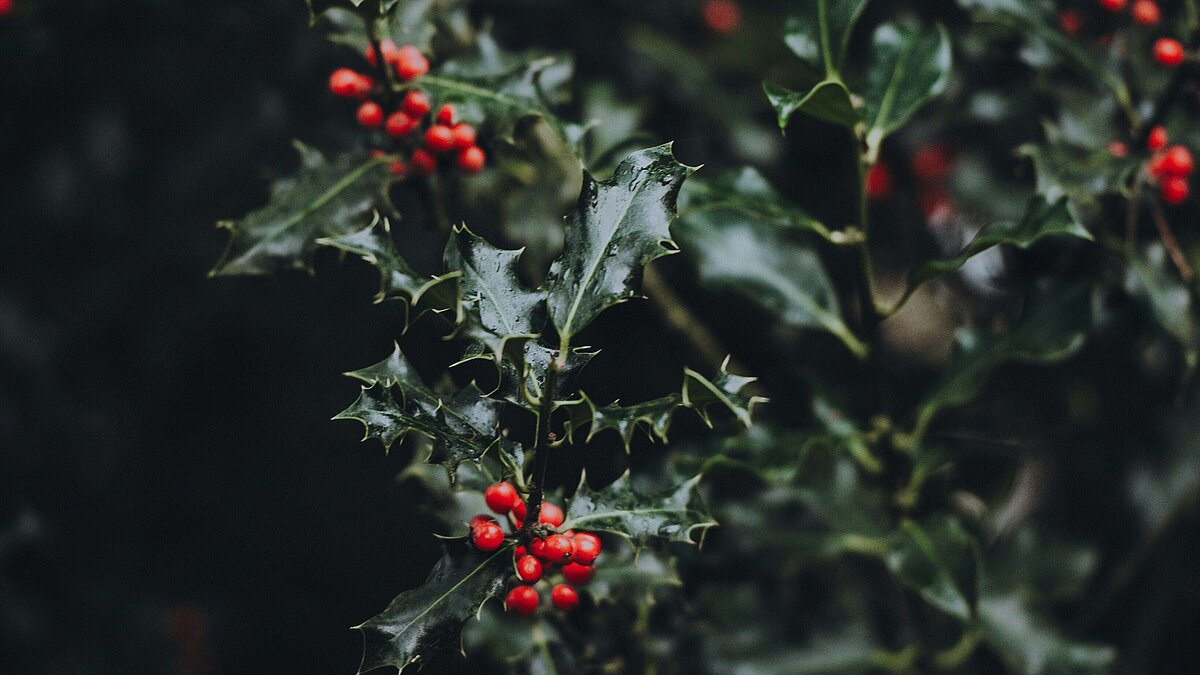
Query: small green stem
{"points": [[958, 654], [541, 447]]}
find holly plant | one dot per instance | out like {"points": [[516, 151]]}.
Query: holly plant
{"points": [[916, 330]]}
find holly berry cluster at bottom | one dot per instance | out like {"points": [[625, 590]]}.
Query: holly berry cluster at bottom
{"points": [[426, 141], [572, 554]]}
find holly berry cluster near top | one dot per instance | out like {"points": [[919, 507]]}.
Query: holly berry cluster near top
{"points": [[535, 558], [1167, 51], [427, 140]]}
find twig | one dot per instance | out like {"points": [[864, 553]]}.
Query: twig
{"points": [[541, 449], [685, 323], [1172, 244]]}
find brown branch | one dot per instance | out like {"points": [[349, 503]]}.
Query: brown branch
{"points": [[1172, 244]]}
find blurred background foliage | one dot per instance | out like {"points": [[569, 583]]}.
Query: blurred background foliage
{"points": [[173, 497]]}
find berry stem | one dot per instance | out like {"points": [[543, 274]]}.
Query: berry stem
{"points": [[1169, 240], [541, 449], [381, 63]]}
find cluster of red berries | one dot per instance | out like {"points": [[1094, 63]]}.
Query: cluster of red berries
{"points": [[427, 140], [574, 552], [1169, 167]]}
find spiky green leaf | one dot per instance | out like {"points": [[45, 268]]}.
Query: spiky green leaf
{"points": [[323, 200], [907, 67], [643, 519], [617, 227], [431, 617]]}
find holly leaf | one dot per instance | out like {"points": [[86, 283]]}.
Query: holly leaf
{"points": [[734, 251], [654, 416], [1152, 278], [491, 291], [322, 200], [462, 427], [1081, 174], [431, 617], [827, 100], [940, 561], [493, 89], [1031, 644], [397, 280], [617, 227], [365, 7], [532, 366], [819, 35], [820, 32], [1052, 328], [643, 519], [746, 190], [627, 574], [907, 68], [1042, 219]]}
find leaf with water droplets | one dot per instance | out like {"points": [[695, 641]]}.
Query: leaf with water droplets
{"points": [[492, 293], [323, 200], [643, 519], [397, 280], [463, 427], [618, 227], [431, 617]]}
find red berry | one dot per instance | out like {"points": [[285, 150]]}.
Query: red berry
{"points": [[439, 138], [564, 597], [422, 162], [410, 63], [416, 103], [931, 163], [529, 569], [519, 510], [376, 153], [1168, 52], [721, 16], [500, 497], [519, 552], [1113, 5], [481, 519], [1118, 149], [578, 574], [556, 548], [370, 115], [1146, 12], [522, 601], [348, 84], [586, 549], [879, 181], [1157, 139], [399, 125], [464, 135], [1175, 190], [487, 536], [591, 538], [1070, 22], [445, 115], [6, 6], [471, 160], [551, 515], [1177, 161], [937, 207], [389, 49]]}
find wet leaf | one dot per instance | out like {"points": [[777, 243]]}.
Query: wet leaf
{"points": [[907, 68], [643, 519], [322, 200]]}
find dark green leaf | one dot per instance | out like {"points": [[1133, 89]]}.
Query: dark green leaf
{"points": [[907, 68], [494, 89], [462, 427], [735, 251], [1152, 277], [430, 617], [1031, 644], [1053, 327], [940, 561], [1042, 219], [820, 32], [827, 100], [642, 519], [654, 416], [397, 281], [748, 191], [366, 7], [322, 200], [491, 291], [618, 226], [1081, 174]]}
